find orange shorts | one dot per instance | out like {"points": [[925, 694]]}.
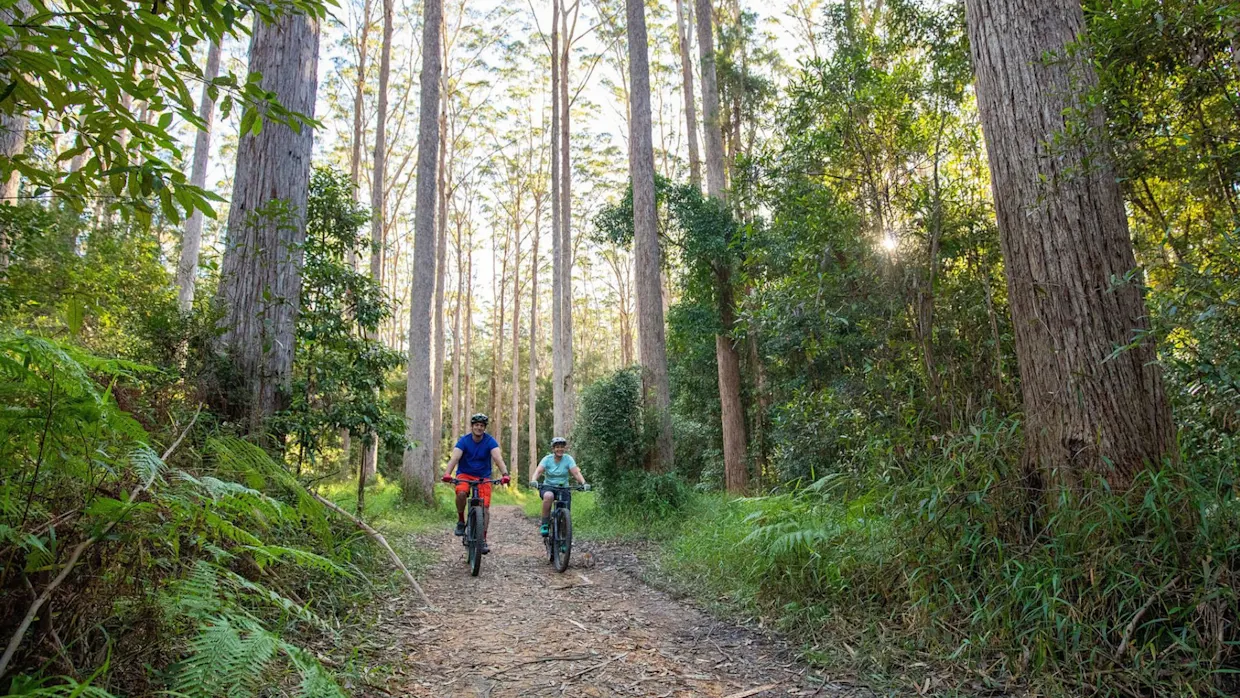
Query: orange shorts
{"points": [[484, 489]]}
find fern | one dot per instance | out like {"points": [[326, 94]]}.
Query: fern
{"points": [[229, 657], [266, 554], [246, 461]]}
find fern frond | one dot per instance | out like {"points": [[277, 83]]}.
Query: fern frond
{"points": [[273, 598], [316, 682], [229, 657], [146, 464], [265, 554]]}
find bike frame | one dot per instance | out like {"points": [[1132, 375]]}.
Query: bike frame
{"points": [[555, 537], [473, 538]]}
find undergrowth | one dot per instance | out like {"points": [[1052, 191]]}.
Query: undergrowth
{"points": [[905, 578], [210, 572]]}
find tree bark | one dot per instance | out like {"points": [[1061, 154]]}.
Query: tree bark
{"points": [[417, 470], [378, 197], [533, 367], [655, 387], [727, 360], [712, 127], [497, 345], [12, 139], [359, 90], [457, 402], [686, 72], [513, 436], [569, 390], [1089, 410], [557, 246], [191, 238], [441, 256], [260, 281]]}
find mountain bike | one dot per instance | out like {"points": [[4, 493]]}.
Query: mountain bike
{"points": [[559, 538], [475, 525]]}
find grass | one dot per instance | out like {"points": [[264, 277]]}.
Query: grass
{"points": [[1117, 595]]}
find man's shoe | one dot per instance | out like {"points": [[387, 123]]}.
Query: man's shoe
{"points": [[485, 548], [545, 530], [460, 528]]}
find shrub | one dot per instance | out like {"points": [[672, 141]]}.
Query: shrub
{"points": [[611, 440]]}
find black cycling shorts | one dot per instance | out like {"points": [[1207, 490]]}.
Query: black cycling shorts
{"points": [[562, 494]]}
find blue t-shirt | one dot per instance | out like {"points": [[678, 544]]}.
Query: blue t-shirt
{"points": [[556, 473], [476, 458]]}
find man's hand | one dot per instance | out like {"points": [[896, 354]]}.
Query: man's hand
{"points": [[447, 478], [585, 487], [533, 484], [505, 480]]}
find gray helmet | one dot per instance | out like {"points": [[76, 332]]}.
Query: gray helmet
{"points": [[480, 417], [559, 441]]}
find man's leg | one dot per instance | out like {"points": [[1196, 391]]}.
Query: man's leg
{"points": [[486, 524], [461, 499]]}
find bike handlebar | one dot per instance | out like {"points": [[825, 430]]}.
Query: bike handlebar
{"points": [[458, 481], [579, 488]]}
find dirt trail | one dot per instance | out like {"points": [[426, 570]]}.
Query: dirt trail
{"points": [[522, 629]]}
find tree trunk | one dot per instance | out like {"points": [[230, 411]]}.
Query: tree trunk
{"points": [[713, 126], [557, 245], [441, 271], [468, 406], [191, 238], [569, 390], [657, 395], [1064, 236], [457, 402], [417, 470], [533, 367], [359, 90], [513, 436], [12, 139], [378, 197], [260, 281], [497, 356], [732, 412], [686, 71]]}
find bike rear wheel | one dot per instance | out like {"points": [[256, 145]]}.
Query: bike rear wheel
{"points": [[473, 533], [563, 547]]}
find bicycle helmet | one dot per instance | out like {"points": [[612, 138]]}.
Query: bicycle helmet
{"points": [[480, 417], [559, 441]]}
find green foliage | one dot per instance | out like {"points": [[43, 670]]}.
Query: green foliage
{"points": [[339, 370], [613, 436], [940, 565], [609, 431], [212, 558], [106, 286], [83, 65]]}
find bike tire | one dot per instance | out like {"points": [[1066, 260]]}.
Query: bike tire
{"points": [[475, 531], [563, 548]]}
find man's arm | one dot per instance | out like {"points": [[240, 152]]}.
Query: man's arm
{"points": [[498, 458], [456, 458]]}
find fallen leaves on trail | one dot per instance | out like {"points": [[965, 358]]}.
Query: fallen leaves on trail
{"points": [[520, 629]]}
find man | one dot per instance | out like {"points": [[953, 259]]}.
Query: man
{"points": [[557, 466], [472, 458]]}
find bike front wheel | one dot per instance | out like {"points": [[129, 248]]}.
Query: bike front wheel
{"points": [[474, 533], [562, 549]]}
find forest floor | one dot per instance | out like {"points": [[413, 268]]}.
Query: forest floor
{"points": [[522, 629]]}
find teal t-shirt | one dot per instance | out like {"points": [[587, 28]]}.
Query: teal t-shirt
{"points": [[556, 473]]}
